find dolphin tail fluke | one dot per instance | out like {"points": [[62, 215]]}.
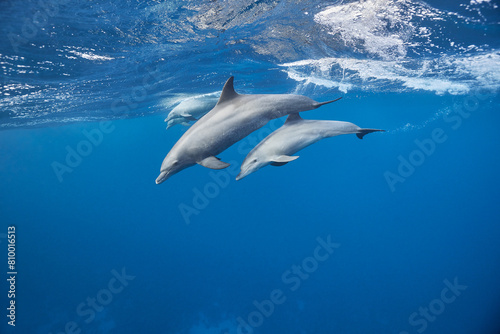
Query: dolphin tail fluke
{"points": [[319, 104], [363, 132]]}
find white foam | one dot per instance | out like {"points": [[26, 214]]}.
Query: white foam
{"points": [[392, 29], [379, 27], [343, 87], [382, 34], [443, 75], [90, 55], [478, 2]]}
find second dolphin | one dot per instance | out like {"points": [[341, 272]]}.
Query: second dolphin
{"points": [[297, 133]]}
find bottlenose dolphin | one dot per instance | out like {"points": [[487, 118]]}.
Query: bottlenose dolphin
{"points": [[297, 133], [192, 109], [233, 118]]}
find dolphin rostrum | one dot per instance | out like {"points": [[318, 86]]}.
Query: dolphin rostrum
{"points": [[233, 118], [278, 148]]}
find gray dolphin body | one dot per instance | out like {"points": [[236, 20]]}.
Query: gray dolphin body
{"points": [[297, 133], [233, 118]]}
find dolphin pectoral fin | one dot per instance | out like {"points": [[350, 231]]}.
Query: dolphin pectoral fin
{"points": [[213, 163], [363, 132], [190, 118], [293, 118], [283, 160]]}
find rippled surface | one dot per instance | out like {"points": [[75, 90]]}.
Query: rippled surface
{"points": [[410, 211], [66, 61]]}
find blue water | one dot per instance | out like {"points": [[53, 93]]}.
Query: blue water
{"points": [[397, 233]]}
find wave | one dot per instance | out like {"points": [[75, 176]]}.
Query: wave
{"points": [[447, 74], [143, 57], [399, 46]]}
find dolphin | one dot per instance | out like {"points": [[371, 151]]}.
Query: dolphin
{"points": [[191, 109], [233, 118], [278, 148]]}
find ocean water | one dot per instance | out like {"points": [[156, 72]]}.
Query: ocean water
{"points": [[396, 233]]}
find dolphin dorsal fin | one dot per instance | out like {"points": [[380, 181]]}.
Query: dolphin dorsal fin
{"points": [[293, 118], [228, 92]]}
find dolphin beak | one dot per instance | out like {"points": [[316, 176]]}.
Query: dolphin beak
{"points": [[162, 177], [241, 175], [170, 116]]}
